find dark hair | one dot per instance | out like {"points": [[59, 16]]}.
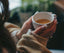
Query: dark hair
{"points": [[6, 40]]}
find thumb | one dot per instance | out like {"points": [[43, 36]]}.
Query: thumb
{"points": [[29, 20], [39, 29]]}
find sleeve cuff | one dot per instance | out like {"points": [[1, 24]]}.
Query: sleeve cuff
{"points": [[13, 35]]}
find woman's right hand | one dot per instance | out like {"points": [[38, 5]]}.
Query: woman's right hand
{"points": [[42, 31]]}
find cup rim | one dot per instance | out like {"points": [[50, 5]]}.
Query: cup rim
{"points": [[42, 24]]}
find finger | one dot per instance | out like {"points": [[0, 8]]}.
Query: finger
{"points": [[55, 20], [54, 29], [55, 16], [39, 29], [49, 33], [28, 22], [30, 19], [49, 29], [53, 25]]}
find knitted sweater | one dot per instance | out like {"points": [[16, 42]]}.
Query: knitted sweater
{"points": [[29, 43]]}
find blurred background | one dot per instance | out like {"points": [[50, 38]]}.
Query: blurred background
{"points": [[21, 10]]}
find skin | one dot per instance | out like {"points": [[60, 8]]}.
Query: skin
{"points": [[42, 31], [4, 50]]}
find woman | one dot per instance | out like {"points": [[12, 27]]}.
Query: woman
{"points": [[35, 42]]}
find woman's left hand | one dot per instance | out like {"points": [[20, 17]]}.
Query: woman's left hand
{"points": [[27, 25]]}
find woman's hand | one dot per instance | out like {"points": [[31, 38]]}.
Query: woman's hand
{"points": [[27, 25], [42, 31]]}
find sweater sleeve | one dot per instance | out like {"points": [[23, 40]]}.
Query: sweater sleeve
{"points": [[30, 44], [13, 29]]}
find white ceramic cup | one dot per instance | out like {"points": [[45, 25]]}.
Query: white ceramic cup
{"points": [[42, 15]]}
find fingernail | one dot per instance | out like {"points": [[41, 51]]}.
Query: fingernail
{"points": [[55, 21], [44, 27]]}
